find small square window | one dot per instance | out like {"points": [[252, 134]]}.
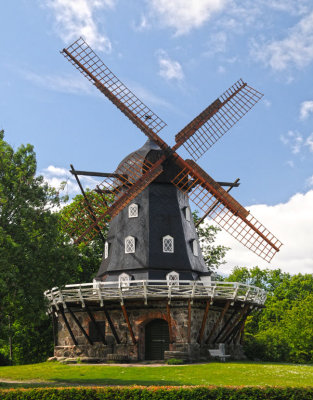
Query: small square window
{"points": [[123, 280], [130, 245], [168, 244], [133, 211], [172, 279], [187, 214], [106, 250], [195, 248]]}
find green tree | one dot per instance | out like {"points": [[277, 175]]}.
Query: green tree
{"points": [[34, 255], [213, 254]]}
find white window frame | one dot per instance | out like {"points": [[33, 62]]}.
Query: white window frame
{"points": [[130, 245], [106, 250], [195, 248], [172, 278], [188, 214], [165, 242], [133, 210], [124, 281]]}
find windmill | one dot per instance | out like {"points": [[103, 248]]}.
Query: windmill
{"points": [[154, 298], [197, 138]]}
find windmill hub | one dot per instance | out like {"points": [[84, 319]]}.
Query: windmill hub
{"points": [[153, 296]]}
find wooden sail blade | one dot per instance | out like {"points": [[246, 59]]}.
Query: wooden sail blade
{"points": [[92, 67], [121, 190], [207, 194], [210, 125]]}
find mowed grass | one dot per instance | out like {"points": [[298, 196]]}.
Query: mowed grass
{"points": [[228, 374]]}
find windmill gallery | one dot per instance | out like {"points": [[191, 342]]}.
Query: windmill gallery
{"points": [[153, 297]]}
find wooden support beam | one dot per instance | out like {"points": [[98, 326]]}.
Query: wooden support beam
{"points": [[169, 321], [225, 326], [238, 331], [218, 321], [68, 326], [128, 324], [92, 318], [112, 327], [189, 322], [80, 326], [54, 327], [237, 320], [205, 316]]}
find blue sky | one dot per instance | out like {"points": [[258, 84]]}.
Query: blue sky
{"points": [[177, 56]]}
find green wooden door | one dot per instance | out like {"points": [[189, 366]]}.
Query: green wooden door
{"points": [[156, 339]]}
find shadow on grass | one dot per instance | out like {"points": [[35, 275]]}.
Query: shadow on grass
{"points": [[91, 382]]}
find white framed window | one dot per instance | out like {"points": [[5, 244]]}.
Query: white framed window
{"points": [[123, 280], [195, 248], [168, 244], [130, 244], [187, 214], [172, 278], [106, 249], [133, 211]]}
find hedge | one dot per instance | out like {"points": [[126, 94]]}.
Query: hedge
{"points": [[160, 393]]}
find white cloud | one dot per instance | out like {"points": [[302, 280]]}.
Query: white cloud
{"points": [[60, 83], [169, 69], [142, 25], [76, 18], [306, 108], [56, 176], [296, 49], [216, 44], [309, 181], [146, 96], [292, 223], [290, 163], [309, 142], [293, 7], [185, 15], [294, 140]]}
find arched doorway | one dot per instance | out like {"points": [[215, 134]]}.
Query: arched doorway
{"points": [[156, 339]]}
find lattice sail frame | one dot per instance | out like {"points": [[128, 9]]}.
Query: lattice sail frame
{"points": [[220, 116], [84, 220], [227, 212], [97, 72], [197, 137]]}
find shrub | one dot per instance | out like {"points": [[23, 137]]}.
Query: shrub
{"points": [[160, 393], [175, 361]]}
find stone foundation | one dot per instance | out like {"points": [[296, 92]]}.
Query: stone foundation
{"points": [[139, 316]]}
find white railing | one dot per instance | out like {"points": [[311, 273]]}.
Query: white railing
{"points": [[154, 289]]}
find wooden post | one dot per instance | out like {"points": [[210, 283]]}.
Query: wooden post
{"points": [[54, 326], [92, 318], [169, 321], [112, 327], [68, 325], [80, 326], [224, 327], [128, 324], [218, 321], [189, 322], [205, 316], [231, 328]]}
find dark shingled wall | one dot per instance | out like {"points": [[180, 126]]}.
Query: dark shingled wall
{"points": [[161, 212]]}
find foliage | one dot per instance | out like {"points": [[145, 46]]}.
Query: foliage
{"points": [[175, 361], [213, 254], [34, 255], [158, 393], [283, 331]]}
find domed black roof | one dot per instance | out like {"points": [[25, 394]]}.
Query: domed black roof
{"points": [[150, 152]]}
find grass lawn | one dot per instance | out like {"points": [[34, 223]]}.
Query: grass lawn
{"points": [[230, 374]]}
